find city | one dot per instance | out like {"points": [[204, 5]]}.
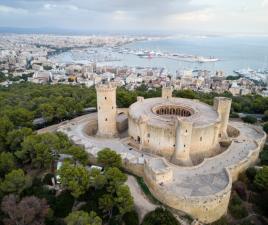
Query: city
{"points": [[33, 58]]}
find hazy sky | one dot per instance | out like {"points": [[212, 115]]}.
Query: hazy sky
{"points": [[235, 16]]}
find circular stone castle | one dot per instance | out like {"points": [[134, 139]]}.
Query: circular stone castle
{"points": [[187, 152], [179, 129]]}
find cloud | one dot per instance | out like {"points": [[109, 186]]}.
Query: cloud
{"points": [[264, 3], [49, 6], [8, 9], [137, 14]]}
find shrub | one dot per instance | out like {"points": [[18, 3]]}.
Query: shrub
{"points": [[160, 216], [261, 179], [261, 202], [236, 209], [249, 119], [234, 115], [222, 221], [264, 156], [251, 172], [265, 127], [131, 218], [64, 204], [48, 179], [240, 189]]}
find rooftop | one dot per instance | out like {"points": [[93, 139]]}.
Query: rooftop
{"points": [[197, 112]]}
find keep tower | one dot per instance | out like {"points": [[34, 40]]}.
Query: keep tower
{"points": [[106, 103]]}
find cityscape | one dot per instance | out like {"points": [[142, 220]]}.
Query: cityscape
{"points": [[133, 112]]}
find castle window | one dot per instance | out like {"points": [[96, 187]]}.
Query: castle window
{"points": [[201, 138], [184, 146], [112, 107], [105, 98], [148, 135], [106, 119], [219, 135], [186, 131]]}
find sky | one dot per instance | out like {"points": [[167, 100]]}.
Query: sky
{"points": [[196, 16]]}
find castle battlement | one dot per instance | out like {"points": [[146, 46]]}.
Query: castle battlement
{"points": [[106, 87]]}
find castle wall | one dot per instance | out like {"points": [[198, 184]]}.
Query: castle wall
{"points": [[204, 139], [162, 141], [156, 140], [207, 208]]}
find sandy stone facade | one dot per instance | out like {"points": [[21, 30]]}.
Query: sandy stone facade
{"points": [[180, 130], [106, 103]]}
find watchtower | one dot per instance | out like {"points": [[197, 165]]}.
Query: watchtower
{"points": [[106, 103], [223, 106], [167, 92], [183, 142]]}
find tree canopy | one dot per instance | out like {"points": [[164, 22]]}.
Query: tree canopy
{"points": [[109, 158], [83, 218], [261, 178], [75, 178], [29, 211], [160, 216], [15, 182]]}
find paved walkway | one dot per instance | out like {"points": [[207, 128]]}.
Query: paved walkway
{"points": [[141, 202]]}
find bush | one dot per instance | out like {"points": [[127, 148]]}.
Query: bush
{"points": [[240, 189], [234, 115], [265, 127], [260, 200], [160, 216], [47, 180], [131, 218], [236, 209], [264, 156], [261, 179], [251, 173], [222, 221], [64, 204], [249, 119]]}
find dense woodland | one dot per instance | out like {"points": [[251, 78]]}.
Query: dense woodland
{"points": [[28, 162]]}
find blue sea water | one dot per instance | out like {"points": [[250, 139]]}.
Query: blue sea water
{"points": [[234, 53]]}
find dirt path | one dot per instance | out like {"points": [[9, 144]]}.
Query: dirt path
{"points": [[142, 203]]}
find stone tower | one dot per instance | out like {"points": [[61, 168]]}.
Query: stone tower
{"points": [[167, 92], [223, 106], [183, 142], [106, 103]]}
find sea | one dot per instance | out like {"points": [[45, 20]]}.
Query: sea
{"points": [[234, 53]]}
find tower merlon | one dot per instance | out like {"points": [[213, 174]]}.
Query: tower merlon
{"points": [[167, 92]]}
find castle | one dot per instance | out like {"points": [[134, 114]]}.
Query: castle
{"points": [[187, 152]]}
